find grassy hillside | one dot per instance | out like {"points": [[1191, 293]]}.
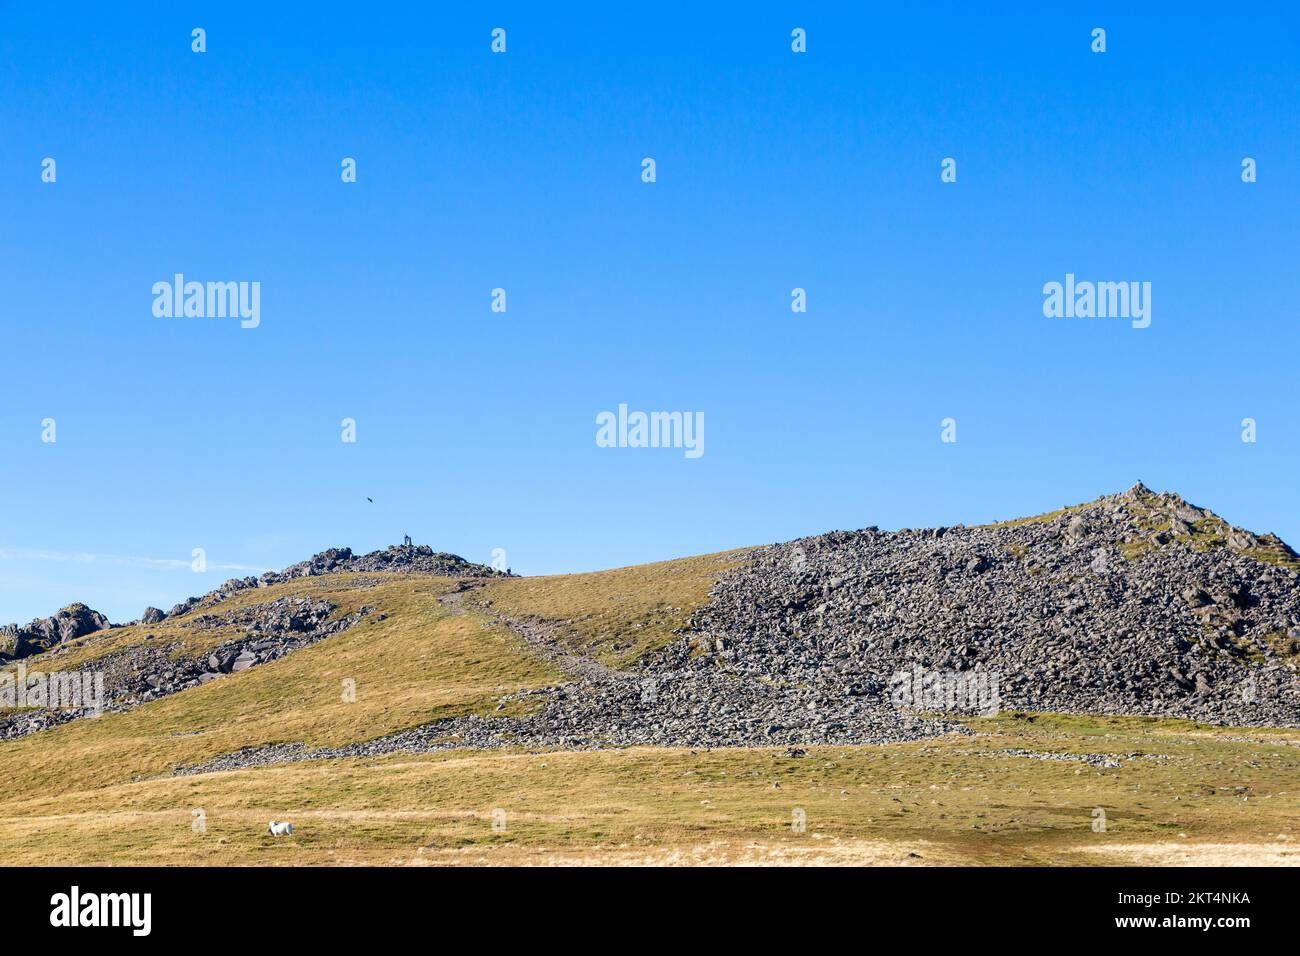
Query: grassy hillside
{"points": [[618, 615], [419, 664], [423, 662]]}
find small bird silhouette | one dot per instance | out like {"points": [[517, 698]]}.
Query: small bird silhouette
{"points": [[371, 500]]}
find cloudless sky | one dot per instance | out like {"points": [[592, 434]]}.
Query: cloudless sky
{"points": [[476, 430]]}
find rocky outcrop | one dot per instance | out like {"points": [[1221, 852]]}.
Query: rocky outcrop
{"points": [[75, 620], [407, 559], [153, 668]]}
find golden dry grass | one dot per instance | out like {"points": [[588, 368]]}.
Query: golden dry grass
{"points": [[952, 800]]}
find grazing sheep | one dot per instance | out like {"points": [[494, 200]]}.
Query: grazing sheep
{"points": [[281, 829]]}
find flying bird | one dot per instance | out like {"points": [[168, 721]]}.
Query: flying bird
{"points": [[371, 500]]}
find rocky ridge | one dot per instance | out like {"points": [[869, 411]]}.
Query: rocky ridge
{"points": [[77, 620], [403, 558]]}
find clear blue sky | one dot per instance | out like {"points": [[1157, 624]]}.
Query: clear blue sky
{"points": [[775, 170]]}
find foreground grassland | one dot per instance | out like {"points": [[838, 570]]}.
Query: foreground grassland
{"points": [[1199, 796]]}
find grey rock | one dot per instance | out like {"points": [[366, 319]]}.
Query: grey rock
{"points": [[43, 634]]}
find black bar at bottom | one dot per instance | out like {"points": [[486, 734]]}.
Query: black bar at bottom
{"points": [[331, 906]]}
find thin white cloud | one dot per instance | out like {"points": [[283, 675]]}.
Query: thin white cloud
{"points": [[121, 560]]}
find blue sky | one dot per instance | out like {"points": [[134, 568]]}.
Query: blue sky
{"points": [[775, 170]]}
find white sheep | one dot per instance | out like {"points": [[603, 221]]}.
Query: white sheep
{"points": [[281, 829]]}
